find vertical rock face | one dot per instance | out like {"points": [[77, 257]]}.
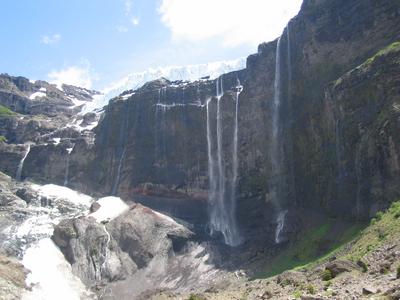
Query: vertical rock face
{"points": [[337, 148], [154, 141]]}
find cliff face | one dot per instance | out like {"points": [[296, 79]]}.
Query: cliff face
{"points": [[337, 150], [154, 141]]}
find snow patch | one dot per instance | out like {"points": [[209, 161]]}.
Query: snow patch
{"points": [[37, 95], [56, 141], [62, 192], [51, 275], [110, 208], [173, 73]]}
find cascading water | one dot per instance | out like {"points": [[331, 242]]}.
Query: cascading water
{"points": [[122, 141], [118, 177], [280, 220], [222, 209], [66, 176], [50, 275], [21, 163], [276, 148], [276, 143], [106, 254]]}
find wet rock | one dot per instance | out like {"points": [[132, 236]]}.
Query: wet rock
{"points": [[94, 207]]}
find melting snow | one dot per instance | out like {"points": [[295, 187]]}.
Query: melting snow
{"points": [[51, 275], [110, 208], [62, 192]]}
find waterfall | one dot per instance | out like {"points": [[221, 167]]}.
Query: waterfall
{"points": [[278, 179], [66, 176], [275, 152], [222, 209], [106, 254], [123, 137], [21, 163], [118, 177], [280, 220]]}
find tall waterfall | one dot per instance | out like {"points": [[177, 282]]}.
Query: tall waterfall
{"points": [[21, 163], [276, 149], [123, 140], [222, 204]]}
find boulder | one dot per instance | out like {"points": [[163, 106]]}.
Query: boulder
{"points": [[340, 266]]}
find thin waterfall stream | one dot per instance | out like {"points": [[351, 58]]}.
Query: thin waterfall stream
{"points": [[222, 201], [21, 163]]}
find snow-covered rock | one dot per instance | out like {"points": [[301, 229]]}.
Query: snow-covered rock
{"points": [[172, 73]]}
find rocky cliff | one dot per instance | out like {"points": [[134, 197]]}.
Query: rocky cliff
{"points": [[153, 141], [336, 119]]}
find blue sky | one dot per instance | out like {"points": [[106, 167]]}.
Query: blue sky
{"points": [[95, 42]]}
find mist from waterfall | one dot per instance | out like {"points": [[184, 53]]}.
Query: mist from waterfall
{"points": [[222, 203], [21, 163], [280, 221]]}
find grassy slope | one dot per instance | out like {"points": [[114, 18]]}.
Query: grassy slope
{"points": [[313, 246], [5, 111]]}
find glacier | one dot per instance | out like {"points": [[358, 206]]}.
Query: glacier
{"points": [[173, 73]]}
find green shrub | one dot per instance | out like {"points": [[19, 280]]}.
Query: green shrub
{"points": [[327, 284], [326, 275], [3, 139], [398, 272], [310, 289], [5, 111], [379, 215], [297, 294]]}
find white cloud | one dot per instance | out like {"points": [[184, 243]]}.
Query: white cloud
{"points": [[235, 22], [75, 75], [50, 39], [128, 6], [135, 21]]}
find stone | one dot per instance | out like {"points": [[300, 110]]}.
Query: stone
{"points": [[340, 266], [368, 290]]}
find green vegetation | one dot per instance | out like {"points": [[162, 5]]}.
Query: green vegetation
{"points": [[398, 272], [385, 226], [392, 47], [3, 139], [317, 245], [310, 289], [326, 275], [312, 246], [297, 294], [5, 111]]}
